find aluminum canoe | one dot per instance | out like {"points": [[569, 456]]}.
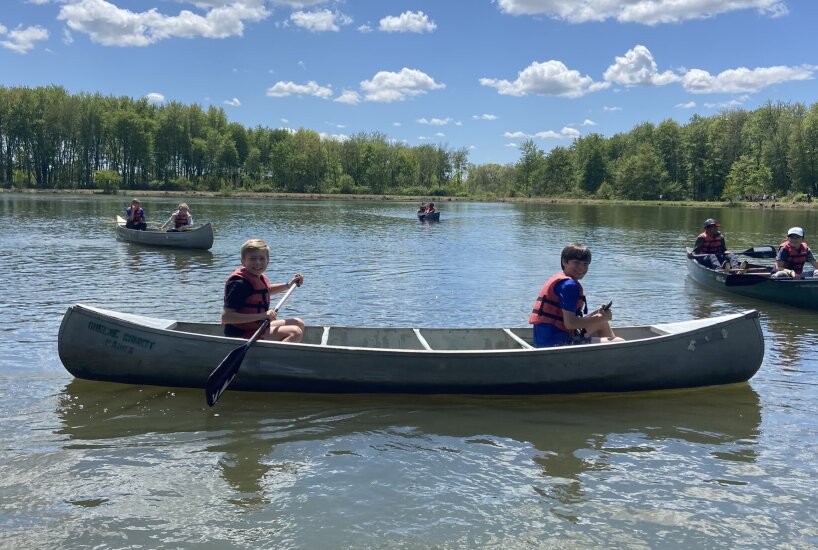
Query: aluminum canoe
{"points": [[756, 283], [200, 237], [100, 344]]}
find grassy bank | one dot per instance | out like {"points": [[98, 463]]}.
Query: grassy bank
{"points": [[182, 195]]}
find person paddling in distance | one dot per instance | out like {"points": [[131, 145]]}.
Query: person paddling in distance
{"points": [[181, 220], [793, 254], [422, 209], [247, 298], [135, 216], [710, 249], [560, 314]]}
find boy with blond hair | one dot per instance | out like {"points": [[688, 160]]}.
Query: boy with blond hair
{"points": [[247, 298]]}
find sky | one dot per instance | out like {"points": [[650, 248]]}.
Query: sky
{"points": [[480, 75]]}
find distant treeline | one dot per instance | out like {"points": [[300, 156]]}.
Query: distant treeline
{"points": [[50, 139]]}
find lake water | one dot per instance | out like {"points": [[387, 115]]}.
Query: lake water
{"points": [[96, 465]]}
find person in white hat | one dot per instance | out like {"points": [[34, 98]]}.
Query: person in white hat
{"points": [[793, 254]]}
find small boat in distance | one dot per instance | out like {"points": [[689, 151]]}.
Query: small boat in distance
{"points": [[433, 217], [200, 237], [757, 283], [100, 344]]}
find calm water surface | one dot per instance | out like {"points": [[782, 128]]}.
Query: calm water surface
{"points": [[96, 465]]}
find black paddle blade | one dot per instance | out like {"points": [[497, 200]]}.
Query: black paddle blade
{"points": [[760, 252], [221, 377]]}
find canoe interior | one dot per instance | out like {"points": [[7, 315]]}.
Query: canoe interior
{"points": [[436, 339]]}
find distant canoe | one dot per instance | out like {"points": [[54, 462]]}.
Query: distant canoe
{"points": [[434, 217], [756, 283], [99, 344], [200, 237]]}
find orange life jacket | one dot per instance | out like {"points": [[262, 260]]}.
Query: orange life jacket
{"points": [[257, 302], [796, 257], [547, 307], [180, 219], [711, 245]]}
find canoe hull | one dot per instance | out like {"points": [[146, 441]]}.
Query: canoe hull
{"points": [[429, 217], [104, 345], [794, 292], [200, 238]]}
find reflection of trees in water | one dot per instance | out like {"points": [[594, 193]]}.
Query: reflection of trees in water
{"points": [[573, 435]]}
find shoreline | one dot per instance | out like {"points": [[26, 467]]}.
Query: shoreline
{"points": [[416, 198]]}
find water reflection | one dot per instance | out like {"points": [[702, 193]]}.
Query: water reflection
{"points": [[569, 437]]}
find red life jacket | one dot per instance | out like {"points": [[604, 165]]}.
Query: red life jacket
{"points": [[137, 217], [796, 257], [710, 245], [547, 306], [257, 302], [180, 219]]}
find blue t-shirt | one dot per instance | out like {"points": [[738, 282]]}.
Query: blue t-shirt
{"points": [[547, 335]]}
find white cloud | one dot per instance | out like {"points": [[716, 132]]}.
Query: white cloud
{"points": [[588, 122], [737, 102], [743, 80], [155, 97], [365, 28], [285, 89], [109, 25], [484, 116], [349, 97], [233, 102], [435, 121], [320, 20], [386, 86], [549, 78], [646, 12], [566, 132], [22, 40], [408, 21], [606, 108], [334, 137], [637, 68], [688, 105], [440, 134]]}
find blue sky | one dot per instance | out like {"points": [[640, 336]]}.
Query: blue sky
{"points": [[480, 74]]}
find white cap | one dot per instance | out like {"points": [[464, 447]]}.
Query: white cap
{"points": [[795, 231]]}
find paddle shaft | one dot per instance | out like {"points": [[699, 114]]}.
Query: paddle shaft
{"points": [[223, 375]]}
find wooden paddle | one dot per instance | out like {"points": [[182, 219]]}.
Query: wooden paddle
{"points": [[221, 377]]}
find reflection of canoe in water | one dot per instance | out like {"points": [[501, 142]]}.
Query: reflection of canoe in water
{"points": [[756, 283], [199, 237], [100, 344], [434, 217]]}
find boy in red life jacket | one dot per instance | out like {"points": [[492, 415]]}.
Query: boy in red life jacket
{"points": [[710, 248], [247, 298], [557, 315], [181, 220], [794, 253], [135, 216]]}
